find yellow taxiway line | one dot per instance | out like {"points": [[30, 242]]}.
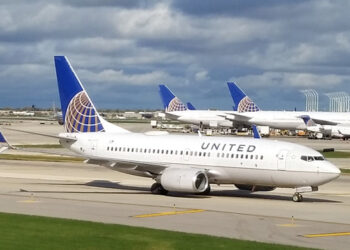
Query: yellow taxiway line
{"points": [[326, 235], [169, 213]]}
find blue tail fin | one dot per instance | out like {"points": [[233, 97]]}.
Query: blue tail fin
{"points": [[170, 101], [308, 121], [79, 113], [241, 101], [190, 106]]}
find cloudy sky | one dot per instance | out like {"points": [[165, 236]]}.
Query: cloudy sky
{"points": [[122, 50]]}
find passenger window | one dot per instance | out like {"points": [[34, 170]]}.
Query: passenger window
{"points": [[204, 154], [107, 148], [242, 156], [261, 157], [199, 154], [251, 157], [256, 157], [246, 156], [218, 155], [208, 154], [223, 155]]}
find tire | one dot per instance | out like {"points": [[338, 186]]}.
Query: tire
{"points": [[297, 197]]}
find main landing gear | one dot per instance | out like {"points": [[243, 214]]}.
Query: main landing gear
{"points": [[297, 197], [157, 188]]}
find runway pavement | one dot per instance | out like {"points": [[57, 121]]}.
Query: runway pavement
{"points": [[87, 192]]}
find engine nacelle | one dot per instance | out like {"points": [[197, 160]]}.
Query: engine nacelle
{"points": [[253, 188], [188, 180]]}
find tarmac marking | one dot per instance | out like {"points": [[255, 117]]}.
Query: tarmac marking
{"points": [[169, 213], [326, 235], [28, 201], [288, 225]]}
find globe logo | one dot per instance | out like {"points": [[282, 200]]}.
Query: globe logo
{"points": [[176, 105], [81, 116], [247, 105]]}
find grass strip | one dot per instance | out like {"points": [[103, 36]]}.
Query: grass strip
{"points": [[336, 154], [345, 170], [35, 232], [40, 158]]}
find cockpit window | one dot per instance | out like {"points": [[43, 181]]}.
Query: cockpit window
{"points": [[319, 158], [312, 158]]}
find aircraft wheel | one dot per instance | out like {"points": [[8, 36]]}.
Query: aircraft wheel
{"points": [[297, 197], [157, 188]]}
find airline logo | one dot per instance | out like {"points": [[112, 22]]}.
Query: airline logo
{"points": [[175, 105], [247, 105], [81, 116]]}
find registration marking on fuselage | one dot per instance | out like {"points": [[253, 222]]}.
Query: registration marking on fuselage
{"points": [[169, 213], [326, 235]]}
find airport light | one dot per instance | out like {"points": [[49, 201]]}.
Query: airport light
{"points": [[311, 99]]}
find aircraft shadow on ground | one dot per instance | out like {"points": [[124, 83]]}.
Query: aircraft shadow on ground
{"points": [[265, 195], [146, 190]]}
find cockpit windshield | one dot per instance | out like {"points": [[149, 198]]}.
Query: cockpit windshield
{"points": [[312, 158]]}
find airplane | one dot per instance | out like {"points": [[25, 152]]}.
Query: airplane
{"points": [[184, 163], [331, 130], [249, 113], [175, 109]]}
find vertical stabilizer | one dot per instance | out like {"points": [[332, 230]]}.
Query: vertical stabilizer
{"points": [[170, 101], [79, 113], [241, 101], [190, 106]]}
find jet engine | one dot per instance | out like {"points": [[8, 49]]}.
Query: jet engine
{"points": [[189, 180], [254, 188]]}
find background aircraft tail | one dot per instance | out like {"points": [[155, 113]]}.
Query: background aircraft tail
{"points": [[170, 101], [241, 101], [190, 106], [308, 121], [79, 113]]}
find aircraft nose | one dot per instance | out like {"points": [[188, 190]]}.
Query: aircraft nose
{"points": [[333, 170]]}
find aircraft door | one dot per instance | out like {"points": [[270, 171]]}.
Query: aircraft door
{"points": [[281, 160]]}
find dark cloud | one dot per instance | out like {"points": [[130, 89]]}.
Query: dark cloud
{"points": [[122, 49]]}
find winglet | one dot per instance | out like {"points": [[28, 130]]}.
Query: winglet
{"points": [[6, 144], [256, 132], [170, 101], [241, 101]]}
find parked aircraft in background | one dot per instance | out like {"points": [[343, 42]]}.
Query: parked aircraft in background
{"points": [[176, 110], [323, 131], [249, 113]]}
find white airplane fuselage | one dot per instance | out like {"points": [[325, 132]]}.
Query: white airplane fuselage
{"points": [[226, 160], [275, 119]]}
